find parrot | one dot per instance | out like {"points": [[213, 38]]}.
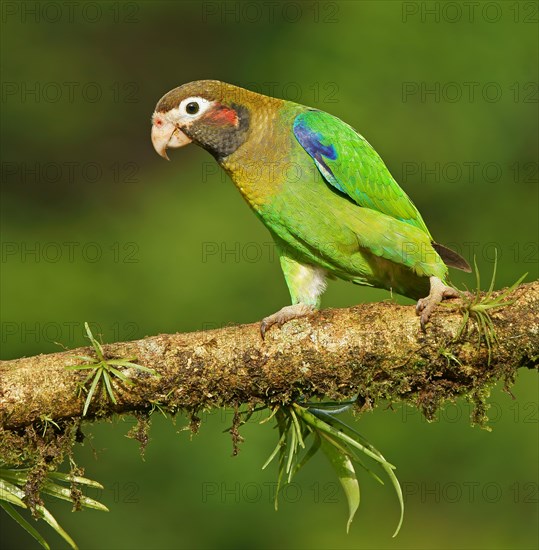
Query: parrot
{"points": [[328, 200]]}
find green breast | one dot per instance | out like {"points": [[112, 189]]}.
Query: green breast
{"points": [[316, 223]]}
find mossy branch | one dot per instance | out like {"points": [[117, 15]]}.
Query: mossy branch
{"points": [[376, 351]]}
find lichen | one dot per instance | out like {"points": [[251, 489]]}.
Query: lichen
{"points": [[41, 452], [234, 431], [140, 431], [479, 399]]}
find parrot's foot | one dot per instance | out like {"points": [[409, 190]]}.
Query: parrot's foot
{"points": [[438, 291], [284, 315]]}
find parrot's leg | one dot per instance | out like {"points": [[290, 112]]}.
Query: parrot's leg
{"points": [[438, 291], [306, 284], [284, 315]]}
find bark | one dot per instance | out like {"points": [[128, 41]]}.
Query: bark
{"points": [[376, 351]]}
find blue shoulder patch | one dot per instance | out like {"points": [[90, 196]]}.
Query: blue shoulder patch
{"points": [[311, 141]]}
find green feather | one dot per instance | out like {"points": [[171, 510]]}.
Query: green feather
{"points": [[358, 170], [342, 212]]}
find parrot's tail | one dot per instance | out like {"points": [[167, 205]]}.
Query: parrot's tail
{"points": [[451, 258]]}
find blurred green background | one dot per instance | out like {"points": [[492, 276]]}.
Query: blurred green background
{"points": [[95, 226]]}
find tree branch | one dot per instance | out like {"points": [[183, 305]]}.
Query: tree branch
{"points": [[375, 350]]}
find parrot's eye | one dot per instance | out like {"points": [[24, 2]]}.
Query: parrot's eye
{"points": [[193, 106]]}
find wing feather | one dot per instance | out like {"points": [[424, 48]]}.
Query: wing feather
{"points": [[348, 162]]}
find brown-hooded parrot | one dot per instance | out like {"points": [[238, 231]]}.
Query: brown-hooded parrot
{"points": [[327, 198]]}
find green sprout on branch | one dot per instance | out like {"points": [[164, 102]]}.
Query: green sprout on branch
{"points": [[104, 370], [479, 307], [12, 494], [341, 444]]}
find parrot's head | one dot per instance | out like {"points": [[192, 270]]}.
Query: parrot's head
{"points": [[210, 113]]}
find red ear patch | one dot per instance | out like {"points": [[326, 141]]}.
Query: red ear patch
{"points": [[222, 116]]}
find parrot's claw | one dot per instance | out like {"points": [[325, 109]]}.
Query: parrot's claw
{"points": [[284, 315], [438, 291]]}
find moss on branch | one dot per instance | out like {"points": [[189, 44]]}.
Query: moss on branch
{"points": [[376, 351]]}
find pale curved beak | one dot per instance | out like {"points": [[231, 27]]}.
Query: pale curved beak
{"points": [[166, 136]]}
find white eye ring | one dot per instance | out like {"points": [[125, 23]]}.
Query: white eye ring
{"points": [[187, 105]]}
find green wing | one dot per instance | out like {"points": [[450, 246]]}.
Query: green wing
{"points": [[349, 163]]}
